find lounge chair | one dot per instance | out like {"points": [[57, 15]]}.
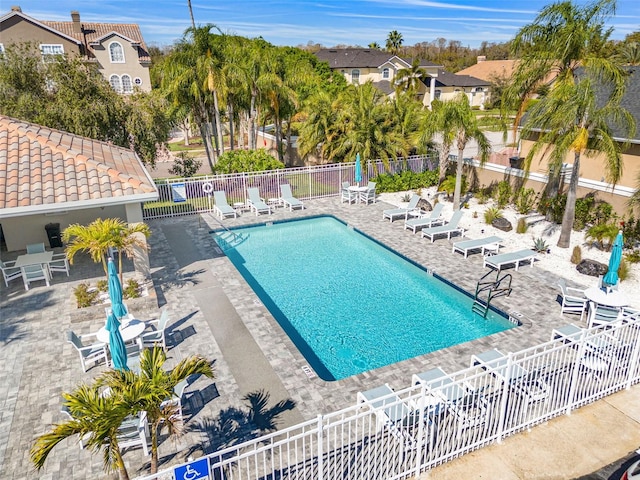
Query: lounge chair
{"points": [[447, 229], [465, 403], [369, 195], [528, 384], [487, 243], [221, 207], [346, 194], [391, 412], [288, 199], [601, 315], [418, 223], [9, 272], [256, 202], [498, 261], [573, 299], [402, 211]]}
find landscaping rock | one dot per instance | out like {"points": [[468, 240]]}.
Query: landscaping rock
{"points": [[502, 224], [592, 268], [424, 205]]}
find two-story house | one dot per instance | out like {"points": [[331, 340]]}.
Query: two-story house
{"points": [[118, 49]]}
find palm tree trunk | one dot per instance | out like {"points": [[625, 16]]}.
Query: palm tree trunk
{"points": [[231, 120], [570, 208], [253, 114], [122, 469], [458, 187], [193, 21], [154, 448], [206, 141], [279, 139], [444, 165], [219, 136]]}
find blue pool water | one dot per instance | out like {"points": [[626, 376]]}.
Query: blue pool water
{"points": [[348, 303]]}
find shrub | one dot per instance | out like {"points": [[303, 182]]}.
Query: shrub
{"points": [[522, 225], [576, 255], [132, 289], [624, 272], [539, 245], [491, 214], [237, 161], [406, 197], [185, 165], [632, 256], [84, 296], [525, 200], [406, 180], [599, 233], [590, 211], [503, 193], [553, 208], [102, 285], [483, 195], [448, 185]]}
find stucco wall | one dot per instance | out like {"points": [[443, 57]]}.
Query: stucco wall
{"points": [[17, 30], [131, 66]]}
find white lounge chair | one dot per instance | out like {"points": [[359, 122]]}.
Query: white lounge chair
{"points": [[573, 299], [288, 199], [530, 385], [96, 352], [516, 258], [391, 412], [369, 195], [487, 243], [256, 202], [402, 211], [447, 229], [221, 207], [9, 272], [418, 223], [34, 273]]}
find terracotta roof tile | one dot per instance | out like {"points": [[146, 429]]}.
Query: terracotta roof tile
{"points": [[49, 167]]}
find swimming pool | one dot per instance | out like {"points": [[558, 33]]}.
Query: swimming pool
{"points": [[348, 303]]}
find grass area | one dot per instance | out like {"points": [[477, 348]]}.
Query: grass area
{"points": [[194, 144]]}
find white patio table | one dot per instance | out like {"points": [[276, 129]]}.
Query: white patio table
{"points": [[41, 258], [611, 299], [129, 330], [358, 190]]}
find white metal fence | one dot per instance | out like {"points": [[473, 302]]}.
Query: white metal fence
{"points": [[412, 430], [184, 196]]}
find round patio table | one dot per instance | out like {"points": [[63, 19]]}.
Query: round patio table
{"points": [[129, 331], [611, 299]]}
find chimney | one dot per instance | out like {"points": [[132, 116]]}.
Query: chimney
{"points": [[75, 18], [16, 8], [481, 58]]}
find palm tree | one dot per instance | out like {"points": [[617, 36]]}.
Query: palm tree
{"points": [[569, 40], [95, 419], [374, 46], [100, 235], [409, 79], [433, 123], [159, 386], [394, 41]]}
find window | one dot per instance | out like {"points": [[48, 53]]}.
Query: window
{"points": [[355, 76], [48, 51], [385, 73], [114, 80], [137, 81], [127, 87], [438, 94], [116, 52], [1, 49]]}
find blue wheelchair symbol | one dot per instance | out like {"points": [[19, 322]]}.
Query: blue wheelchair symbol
{"points": [[197, 470]]}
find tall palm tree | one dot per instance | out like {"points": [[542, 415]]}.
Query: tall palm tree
{"points": [[159, 386], [394, 41], [95, 419], [318, 131], [374, 46], [433, 123], [575, 116]]}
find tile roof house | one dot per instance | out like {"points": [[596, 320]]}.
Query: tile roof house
{"points": [[118, 49], [50, 176], [448, 85], [489, 70]]}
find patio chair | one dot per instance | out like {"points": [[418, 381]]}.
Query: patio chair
{"points": [[35, 248], [483, 244], [391, 411], [369, 195], [95, 352], [59, 263], [424, 222], [573, 299], [158, 335], [347, 194], [516, 258], [530, 385], [448, 229], [9, 272], [176, 399], [133, 432], [598, 343], [221, 207], [256, 202], [34, 273], [601, 315], [288, 199], [402, 211]]}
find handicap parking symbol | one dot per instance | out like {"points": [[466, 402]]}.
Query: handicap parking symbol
{"points": [[198, 470]]}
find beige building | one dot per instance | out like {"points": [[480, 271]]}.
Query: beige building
{"points": [[117, 49]]}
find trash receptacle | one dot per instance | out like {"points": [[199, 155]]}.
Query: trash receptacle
{"points": [[53, 233], [516, 162]]}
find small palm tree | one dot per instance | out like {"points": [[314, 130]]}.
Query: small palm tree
{"points": [[394, 41], [159, 385], [95, 419], [409, 79]]}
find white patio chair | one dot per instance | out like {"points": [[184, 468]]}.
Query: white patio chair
{"points": [[59, 263], [369, 195], [35, 248], [34, 273], [346, 194], [133, 432], [95, 352], [573, 299], [158, 335], [9, 272], [176, 399]]}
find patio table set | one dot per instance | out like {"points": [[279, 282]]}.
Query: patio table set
{"points": [[38, 264]]}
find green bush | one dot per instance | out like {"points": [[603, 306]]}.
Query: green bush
{"points": [[491, 214], [553, 208], [624, 272], [633, 256], [483, 195], [448, 185], [406, 180], [631, 232], [522, 225], [132, 289], [590, 211], [540, 246], [102, 285], [84, 296], [184, 165], [601, 232], [503, 193], [525, 200], [237, 161]]}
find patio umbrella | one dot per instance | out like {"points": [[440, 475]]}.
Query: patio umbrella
{"points": [[116, 344], [611, 278], [358, 174], [115, 291]]}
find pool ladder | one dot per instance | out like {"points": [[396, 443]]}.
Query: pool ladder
{"points": [[492, 288]]}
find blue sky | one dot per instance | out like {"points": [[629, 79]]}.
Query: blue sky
{"points": [[329, 22]]}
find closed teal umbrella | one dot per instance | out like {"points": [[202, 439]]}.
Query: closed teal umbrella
{"points": [[115, 291], [358, 173], [611, 278], [116, 344]]}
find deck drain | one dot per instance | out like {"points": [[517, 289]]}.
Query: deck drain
{"points": [[257, 302], [516, 314], [308, 371]]}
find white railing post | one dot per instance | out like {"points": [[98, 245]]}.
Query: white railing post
{"points": [[320, 439], [633, 360], [505, 396], [576, 371], [421, 444]]}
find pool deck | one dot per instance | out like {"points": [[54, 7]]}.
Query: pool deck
{"points": [[214, 313]]}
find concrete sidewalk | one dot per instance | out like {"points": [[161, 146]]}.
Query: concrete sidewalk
{"points": [[566, 447]]}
